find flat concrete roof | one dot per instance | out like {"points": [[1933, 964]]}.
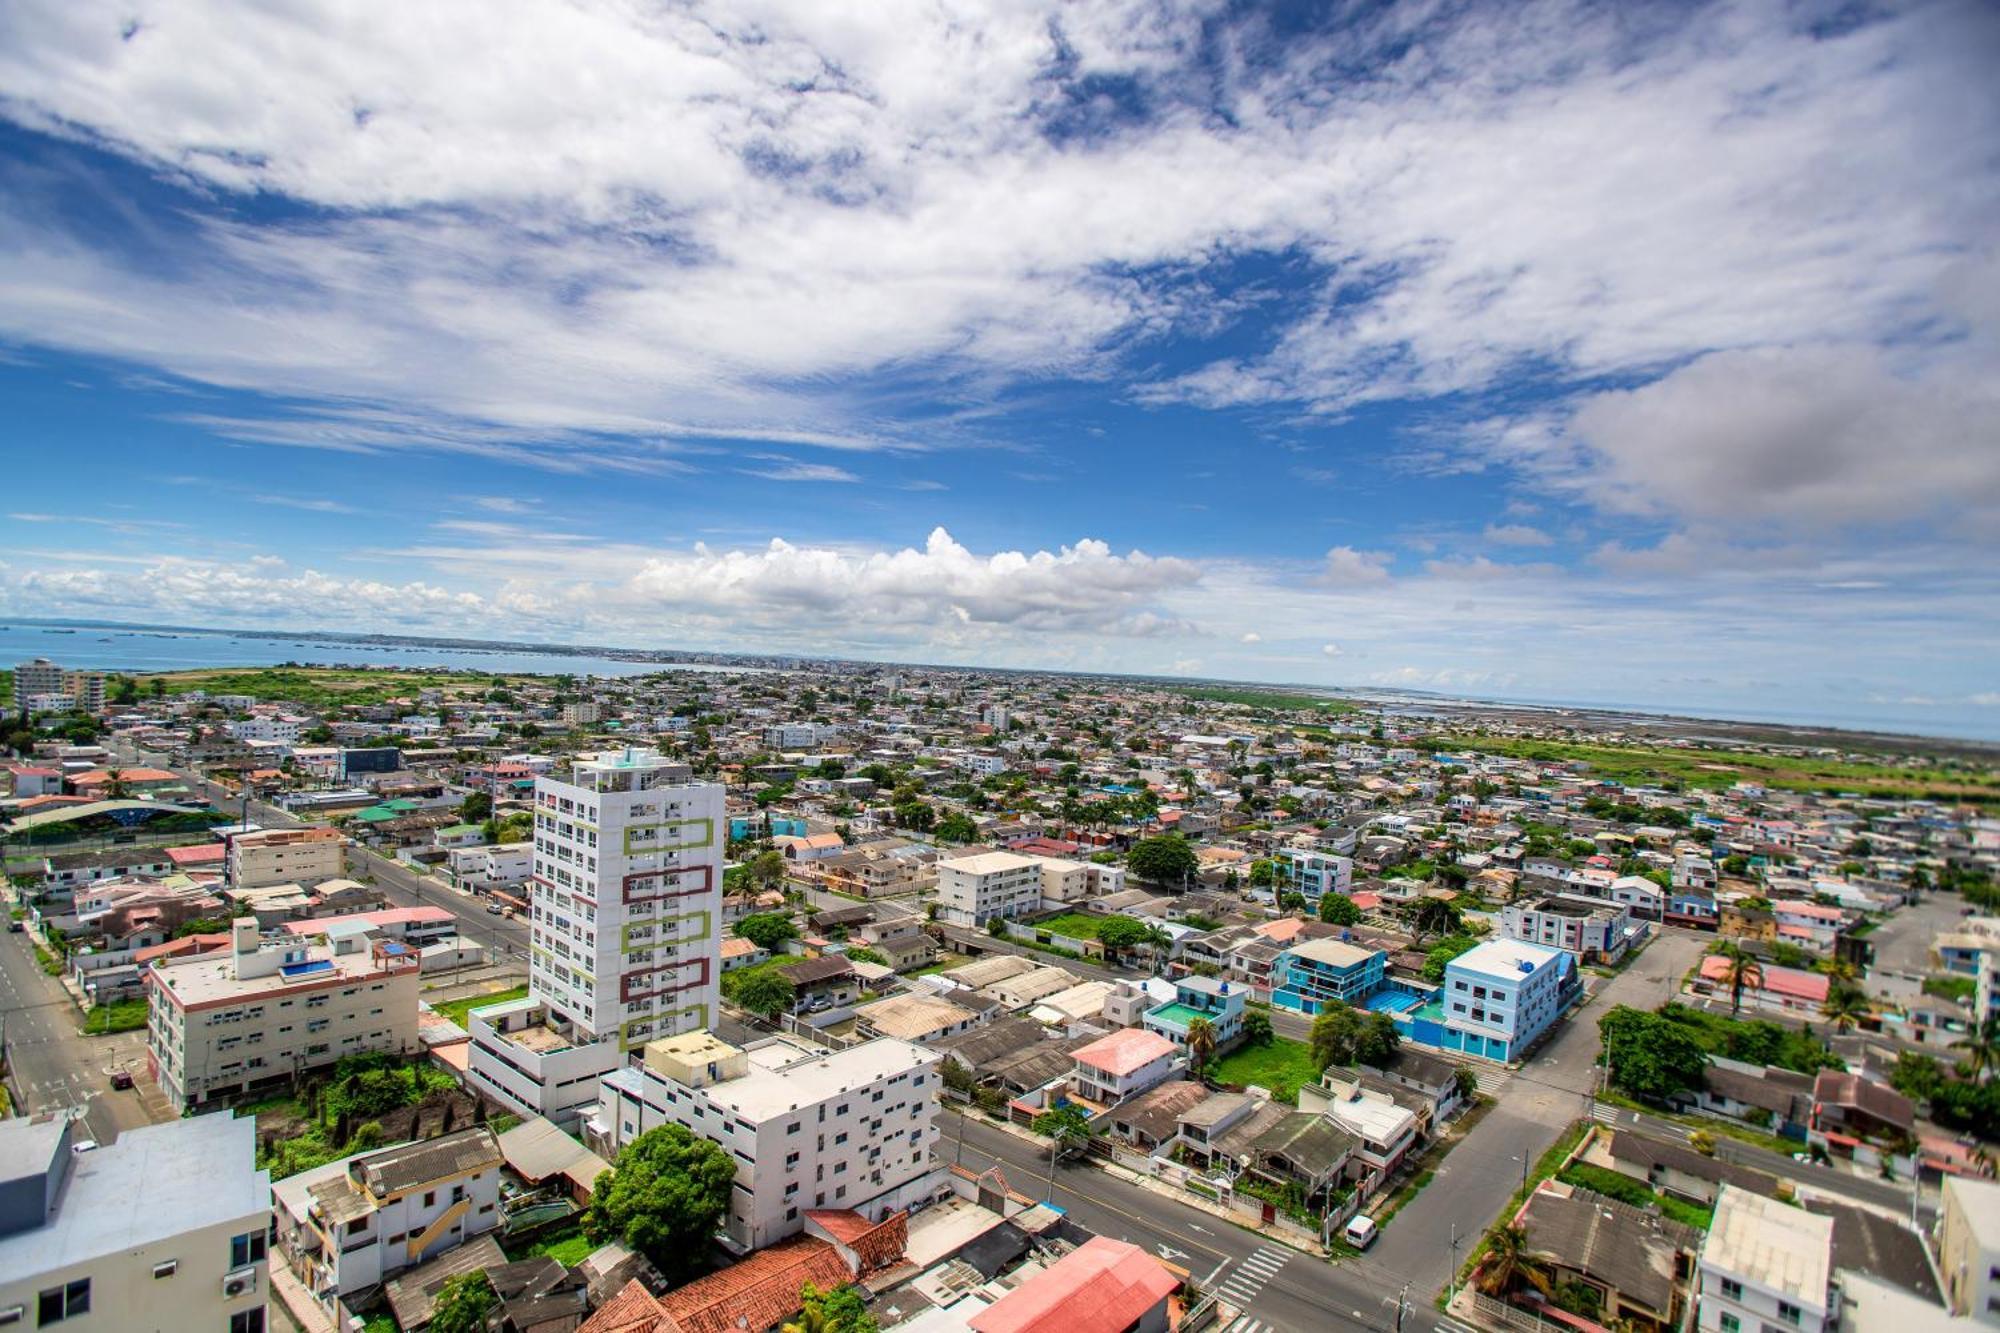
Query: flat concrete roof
{"points": [[1776, 1246], [153, 1183]]}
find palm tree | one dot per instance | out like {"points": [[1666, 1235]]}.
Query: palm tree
{"points": [[114, 784], [1845, 1005], [1200, 1043], [1982, 1047], [1161, 943], [1837, 968], [1510, 1261], [1743, 970]]}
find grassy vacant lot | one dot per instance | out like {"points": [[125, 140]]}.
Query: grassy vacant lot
{"points": [[1076, 925], [944, 964], [456, 1010], [1281, 1066], [1265, 701], [1641, 764], [118, 1016], [567, 1245], [327, 687]]}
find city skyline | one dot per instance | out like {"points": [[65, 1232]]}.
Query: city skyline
{"points": [[1554, 352]]}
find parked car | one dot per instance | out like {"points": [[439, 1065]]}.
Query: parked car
{"points": [[494, 909], [1361, 1231], [83, 1145], [121, 1079]]}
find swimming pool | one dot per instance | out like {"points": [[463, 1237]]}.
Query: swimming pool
{"points": [[1393, 1001]]}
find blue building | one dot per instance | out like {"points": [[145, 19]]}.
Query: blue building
{"points": [[1305, 976], [1499, 997], [742, 827], [1200, 997]]}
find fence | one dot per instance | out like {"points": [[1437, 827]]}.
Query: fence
{"points": [[1495, 1312]]}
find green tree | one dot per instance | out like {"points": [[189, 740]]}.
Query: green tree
{"points": [[913, 814], [1510, 1261], [1201, 1044], [1263, 873], [866, 955], [476, 808], [1427, 918], [1338, 909], [1742, 970], [1981, 1045], [1257, 1029], [957, 827], [769, 931], [1335, 1035], [1651, 1056], [664, 1198], [1441, 954], [766, 992], [768, 868], [1376, 1042], [838, 1311], [1166, 859], [463, 1303], [1122, 934], [1846, 1004]]}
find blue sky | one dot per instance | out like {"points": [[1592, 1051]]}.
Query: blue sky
{"points": [[1557, 351]]}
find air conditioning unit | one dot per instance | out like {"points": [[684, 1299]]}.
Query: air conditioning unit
{"points": [[238, 1282]]}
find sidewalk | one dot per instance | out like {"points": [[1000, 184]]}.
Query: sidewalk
{"points": [[299, 1304], [1187, 1198]]}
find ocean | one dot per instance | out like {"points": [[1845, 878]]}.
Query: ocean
{"points": [[123, 648]]}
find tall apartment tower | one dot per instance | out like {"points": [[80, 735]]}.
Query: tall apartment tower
{"points": [[628, 897], [626, 927]]}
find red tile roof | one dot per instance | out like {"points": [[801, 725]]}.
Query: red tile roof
{"points": [[632, 1310], [186, 944], [196, 856], [1107, 1286], [757, 1294], [878, 1244]]}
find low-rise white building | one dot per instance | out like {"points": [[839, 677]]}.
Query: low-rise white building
{"points": [[225, 1023], [163, 1230], [809, 1128], [349, 1225], [1123, 1064], [1765, 1264], [505, 865], [972, 890], [1591, 928]]}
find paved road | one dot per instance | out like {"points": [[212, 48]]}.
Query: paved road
{"points": [[1535, 1104], [51, 1065], [1279, 1288]]}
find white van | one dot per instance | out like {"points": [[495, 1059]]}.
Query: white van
{"points": [[1360, 1232]]}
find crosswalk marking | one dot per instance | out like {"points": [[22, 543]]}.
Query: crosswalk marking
{"points": [[1252, 1272], [1245, 1324]]}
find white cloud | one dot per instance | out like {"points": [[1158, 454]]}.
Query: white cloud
{"points": [[1517, 534], [1252, 636], [1347, 567], [786, 469], [1809, 437], [1329, 650], [532, 227]]}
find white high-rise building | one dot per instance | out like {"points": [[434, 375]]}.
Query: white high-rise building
{"points": [[626, 930]]}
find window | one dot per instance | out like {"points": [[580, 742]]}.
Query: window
{"points": [[1788, 1312], [1732, 1289], [247, 1321], [1731, 1324], [66, 1302], [247, 1248], [167, 1269]]}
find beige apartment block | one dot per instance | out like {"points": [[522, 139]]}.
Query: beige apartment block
{"points": [[222, 1025], [286, 856]]}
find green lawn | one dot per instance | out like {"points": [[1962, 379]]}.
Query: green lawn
{"points": [[118, 1016], [456, 1010], [1281, 1066], [945, 964], [567, 1245], [1697, 767], [1076, 925]]}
